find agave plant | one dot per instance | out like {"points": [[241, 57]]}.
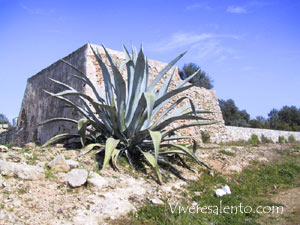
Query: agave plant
{"points": [[129, 120]]}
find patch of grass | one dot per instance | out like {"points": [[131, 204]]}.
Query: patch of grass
{"points": [[10, 145], [227, 153], [32, 159], [249, 188], [49, 173], [6, 192], [235, 143], [22, 191]]}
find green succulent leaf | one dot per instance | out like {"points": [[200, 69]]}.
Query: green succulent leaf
{"points": [[110, 146], [120, 90], [153, 162], [114, 157], [150, 99], [89, 148], [164, 71], [85, 79], [58, 119], [107, 78], [60, 138], [190, 154], [82, 125], [156, 138]]}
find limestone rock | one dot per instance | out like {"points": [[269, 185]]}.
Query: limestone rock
{"points": [[3, 148], [96, 180], [77, 177], [26, 172], [16, 148], [30, 145], [72, 163], [15, 158], [59, 164]]}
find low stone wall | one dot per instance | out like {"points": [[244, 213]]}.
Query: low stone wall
{"points": [[242, 133], [3, 126], [7, 136]]}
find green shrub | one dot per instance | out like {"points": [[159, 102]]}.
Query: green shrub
{"points": [[265, 140], [254, 140], [130, 122], [282, 140], [291, 139], [205, 136], [227, 153]]}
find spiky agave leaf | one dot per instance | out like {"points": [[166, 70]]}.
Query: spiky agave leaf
{"points": [[88, 148], [82, 126], [110, 146], [60, 138]]}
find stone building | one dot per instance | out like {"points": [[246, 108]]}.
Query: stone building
{"points": [[37, 106]]}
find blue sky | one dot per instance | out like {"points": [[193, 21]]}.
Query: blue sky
{"points": [[251, 49]]}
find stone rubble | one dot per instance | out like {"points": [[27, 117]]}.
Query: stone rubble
{"points": [[3, 148], [59, 164], [97, 181], [16, 148], [72, 163], [77, 177], [23, 171]]}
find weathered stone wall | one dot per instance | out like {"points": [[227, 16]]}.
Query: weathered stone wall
{"points": [[242, 133], [37, 106]]}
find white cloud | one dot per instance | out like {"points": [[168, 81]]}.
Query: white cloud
{"points": [[236, 9], [36, 11], [203, 45], [203, 5]]}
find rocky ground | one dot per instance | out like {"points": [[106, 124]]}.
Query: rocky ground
{"points": [[55, 186]]}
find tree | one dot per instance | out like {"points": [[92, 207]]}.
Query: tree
{"points": [[201, 78], [232, 115], [259, 122], [3, 119], [289, 118], [273, 119]]}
